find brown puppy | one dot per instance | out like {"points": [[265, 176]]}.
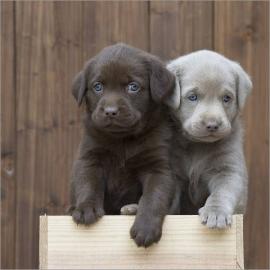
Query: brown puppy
{"points": [[123, 156]]}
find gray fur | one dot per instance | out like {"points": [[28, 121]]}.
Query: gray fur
{"points": [[214, 164]]}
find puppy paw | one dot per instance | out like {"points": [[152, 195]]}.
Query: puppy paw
{"points": [[146, 233], [214, 217], [86, 214], [129, 209]]}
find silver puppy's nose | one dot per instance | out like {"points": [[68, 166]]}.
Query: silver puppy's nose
{"points": [[111, 111], [212, 126]]}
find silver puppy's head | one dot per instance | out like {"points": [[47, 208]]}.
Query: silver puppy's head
{"points": [[211, 90]]}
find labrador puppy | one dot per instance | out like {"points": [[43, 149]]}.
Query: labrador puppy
{"points": [[123, 156], [208, 153]]}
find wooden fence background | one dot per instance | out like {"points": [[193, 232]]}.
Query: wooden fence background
{"points": [[44, 44]]}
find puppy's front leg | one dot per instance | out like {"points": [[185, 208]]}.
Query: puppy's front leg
{"points": [[87, 192], [153, 206], [226, 192]]}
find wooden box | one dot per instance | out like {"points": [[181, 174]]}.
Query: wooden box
{"points": [[185, 244]]}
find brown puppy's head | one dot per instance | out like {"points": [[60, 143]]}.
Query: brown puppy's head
{"points": [[122, 86]]}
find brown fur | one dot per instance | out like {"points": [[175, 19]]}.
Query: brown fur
{"points": [[124, 159]]}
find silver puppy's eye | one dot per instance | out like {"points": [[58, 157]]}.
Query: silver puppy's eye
{"points": [[226, 99], [133, 87], [193, 97], [97, 86]]}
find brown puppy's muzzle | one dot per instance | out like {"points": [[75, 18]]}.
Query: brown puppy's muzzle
{"points": [[115, 114]]}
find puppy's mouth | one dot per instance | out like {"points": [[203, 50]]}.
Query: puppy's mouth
{"points": [[118, 129], [207, 138], [117, 126]]}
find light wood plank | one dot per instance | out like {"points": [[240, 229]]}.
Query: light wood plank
{"points": [[239, 242], [43, 242], [185, 244]]}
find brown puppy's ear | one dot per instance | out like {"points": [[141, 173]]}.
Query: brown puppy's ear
{"points": [[174, 99], [162, 81], [79, 87], [244, 84]]}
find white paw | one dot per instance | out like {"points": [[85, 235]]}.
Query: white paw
{"points": [[214, 217], [129, 209]]}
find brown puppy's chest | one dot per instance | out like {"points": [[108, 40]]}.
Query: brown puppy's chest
{"points": [[125, 164], [121, 176]]}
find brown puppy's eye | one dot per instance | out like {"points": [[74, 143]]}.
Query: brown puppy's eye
{"points": [[133, 87], [98, 87]]}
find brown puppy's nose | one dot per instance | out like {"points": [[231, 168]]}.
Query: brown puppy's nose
{"points": [[111, 111]]}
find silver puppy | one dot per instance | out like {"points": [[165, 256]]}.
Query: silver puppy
{"points": [[207, 103]]}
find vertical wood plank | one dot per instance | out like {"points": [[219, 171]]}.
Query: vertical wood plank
{"points": [[180, 27], [112, 22], [8, 138], [54, 39], [48, 128], [241, 33]]}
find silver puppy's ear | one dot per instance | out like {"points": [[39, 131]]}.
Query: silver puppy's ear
{"points": [[244, 84]]}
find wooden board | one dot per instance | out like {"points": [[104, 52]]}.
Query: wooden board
{"points": [[242, 33], [47, 118], [185, 244], [8, 138], [180, 27]]}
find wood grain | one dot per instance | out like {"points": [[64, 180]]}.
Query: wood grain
{"points": [[48, 126], [8, 138], [180, 27], [112, 22], [239, 242], [53, 39], [43, 242], [242, 33], [185, 244], [45, 43]]}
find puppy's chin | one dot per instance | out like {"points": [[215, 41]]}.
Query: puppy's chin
{"points": [[206, 138]]}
